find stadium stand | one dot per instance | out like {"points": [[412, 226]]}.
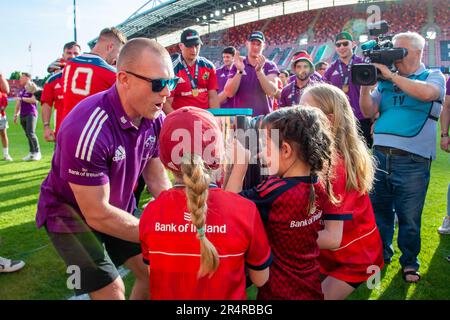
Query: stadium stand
{"points": [[283, 33]]}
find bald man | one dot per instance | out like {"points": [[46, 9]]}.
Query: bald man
{"points": [[102, 147]]}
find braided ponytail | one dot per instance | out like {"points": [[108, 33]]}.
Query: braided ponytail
{"points": [[197, 180]]}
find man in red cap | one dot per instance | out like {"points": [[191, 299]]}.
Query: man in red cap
{"points": [[303, 68], [196, 211]]}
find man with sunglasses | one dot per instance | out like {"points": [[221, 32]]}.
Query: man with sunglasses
{"points": [[103, 146], [52, 94], [339, 74], [198, 81]]}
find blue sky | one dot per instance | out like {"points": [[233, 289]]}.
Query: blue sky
{"points": [[48, 25]]}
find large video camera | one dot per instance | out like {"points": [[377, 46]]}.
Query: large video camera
{"points": [[380, 51]]}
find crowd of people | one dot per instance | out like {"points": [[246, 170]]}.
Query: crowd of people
{"points": [[406, 15], [340, 168]]}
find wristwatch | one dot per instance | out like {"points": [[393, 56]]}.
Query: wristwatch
{"points": [[444, 135]]}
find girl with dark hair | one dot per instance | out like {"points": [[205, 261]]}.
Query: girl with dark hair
{"points": [[298, 154]]}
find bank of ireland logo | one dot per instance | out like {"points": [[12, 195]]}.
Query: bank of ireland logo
{"points": [[120, 154]]}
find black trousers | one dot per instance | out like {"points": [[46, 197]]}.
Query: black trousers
{"points": [[29, 126]]}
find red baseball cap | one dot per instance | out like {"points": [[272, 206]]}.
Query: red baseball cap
{"points": [[302, 56], [191, 130]]}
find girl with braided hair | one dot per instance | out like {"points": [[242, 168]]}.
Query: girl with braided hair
{"points": [[298, 154], [359, 253], [196, 237]]}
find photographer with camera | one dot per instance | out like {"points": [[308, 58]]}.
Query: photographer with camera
{"points": [[339, 75], [409, 103]]}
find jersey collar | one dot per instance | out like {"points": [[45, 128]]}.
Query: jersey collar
{"points": [[421, 69], [121, 117]]}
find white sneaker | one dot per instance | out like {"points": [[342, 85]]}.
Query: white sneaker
{"points": [[28, 157], [7, 158], [36, 156], [445, 228], [7, 265]]}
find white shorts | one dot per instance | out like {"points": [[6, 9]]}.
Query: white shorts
{"points": [[3, 123]]}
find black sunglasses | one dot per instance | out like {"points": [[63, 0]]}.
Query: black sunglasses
{"points": [[158, 85], [345, 44]]}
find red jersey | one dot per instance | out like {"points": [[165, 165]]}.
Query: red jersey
{"points": [[171, 247], [3, 103], [84, 76], [53, 95], [292, 232], [184, 95], [361, 244]]}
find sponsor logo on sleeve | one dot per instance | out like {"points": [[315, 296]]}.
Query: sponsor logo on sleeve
{"points": [[84, 173]]}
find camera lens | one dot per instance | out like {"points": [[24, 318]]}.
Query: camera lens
{"points": [[364, 74]]}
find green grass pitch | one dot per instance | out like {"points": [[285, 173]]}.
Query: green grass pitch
{"points": [[44, 275]]}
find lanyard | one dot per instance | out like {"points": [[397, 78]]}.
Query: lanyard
{"points": [[194, 81], [347, 76], [293, 92]]}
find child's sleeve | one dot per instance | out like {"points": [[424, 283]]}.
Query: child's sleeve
{"points": [[340, 211], [143, 236], [259, 255]]}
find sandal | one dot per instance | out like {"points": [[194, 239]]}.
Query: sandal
{"points": [[410, 273]]}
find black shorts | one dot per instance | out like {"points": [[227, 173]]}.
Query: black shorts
{"points": [[355, 285], [96, 254]]}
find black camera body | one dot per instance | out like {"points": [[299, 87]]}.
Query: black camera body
{"points": [[380, 51]]}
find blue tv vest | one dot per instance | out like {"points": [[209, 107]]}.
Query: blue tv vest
{"points": [[401, 114]]}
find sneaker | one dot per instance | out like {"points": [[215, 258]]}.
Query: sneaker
{"points": [[445, 228], [7, 158], [7, 265], [36, 156], [28, 157]]}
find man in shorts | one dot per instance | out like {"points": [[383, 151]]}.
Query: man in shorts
{"points": [[101, 149]]}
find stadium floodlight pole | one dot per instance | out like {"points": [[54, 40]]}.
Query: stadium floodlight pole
{"points": [[75, 20]]}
